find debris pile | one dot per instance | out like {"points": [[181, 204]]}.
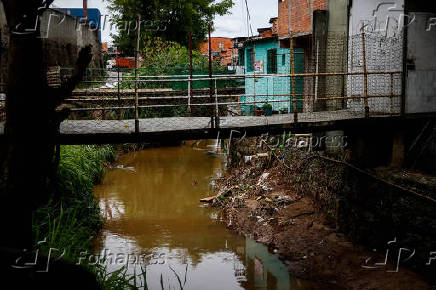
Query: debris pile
{"points": [[269, 200]]}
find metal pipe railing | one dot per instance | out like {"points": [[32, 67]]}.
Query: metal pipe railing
{"points": [[292, 98], [228, 103], [295, 75]]}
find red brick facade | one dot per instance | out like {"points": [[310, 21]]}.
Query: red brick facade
{"points": [[222, 48], [301, 15], [283, 19]]}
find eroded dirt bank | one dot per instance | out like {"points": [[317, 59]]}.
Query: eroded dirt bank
{"points": [[263, 201]]}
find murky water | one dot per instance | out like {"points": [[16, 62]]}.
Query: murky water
{"points": [[151, 203]]}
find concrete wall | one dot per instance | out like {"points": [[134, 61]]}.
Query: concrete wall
{"points": [[384, 23], [421, 59], [384, 26], [336, 51], [381, 17], [63, 37]]}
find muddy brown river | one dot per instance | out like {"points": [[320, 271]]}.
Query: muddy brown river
{"points": [[154, 221]]}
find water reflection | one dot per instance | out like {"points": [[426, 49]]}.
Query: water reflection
{"points": [[150, 200]]}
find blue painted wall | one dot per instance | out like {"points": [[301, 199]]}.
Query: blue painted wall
{"points": [[270, 87]]}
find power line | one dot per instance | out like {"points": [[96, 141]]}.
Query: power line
{"points": [[248, 20], [244, 18]]}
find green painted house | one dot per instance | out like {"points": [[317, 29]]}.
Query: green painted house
{"points": [[264, 57]]}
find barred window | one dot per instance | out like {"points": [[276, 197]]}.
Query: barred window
{"points": [[272, 61]]}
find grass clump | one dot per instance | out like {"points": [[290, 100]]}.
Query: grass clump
{"points": [[71, 218]]}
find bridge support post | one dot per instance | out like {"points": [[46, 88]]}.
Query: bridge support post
{"points": [[119, 95], [365, 73], [191, 83]]}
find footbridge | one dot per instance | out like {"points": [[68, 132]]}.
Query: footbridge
{"points": [[333, 90], [112, 106]]}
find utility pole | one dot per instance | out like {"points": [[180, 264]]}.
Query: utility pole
{"points": [[85, 10]]}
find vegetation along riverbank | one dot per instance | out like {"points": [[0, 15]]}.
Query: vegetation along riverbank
{"points": [[71, 219]]}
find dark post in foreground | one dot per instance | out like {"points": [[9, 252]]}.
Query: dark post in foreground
{"points": [[27, 157]]}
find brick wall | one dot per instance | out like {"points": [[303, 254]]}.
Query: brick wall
{"points": [[221, 45], [283, 19], [301, 15], [227, 43]]}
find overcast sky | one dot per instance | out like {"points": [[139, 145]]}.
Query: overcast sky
{"points": [[231, 25]]}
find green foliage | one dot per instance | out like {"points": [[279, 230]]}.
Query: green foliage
{"points": [[169, 57], [93, 77], [267, 106], [172, 59], [65, 229], [180, 111], [71, 219], [80, 168], [120, 279], [168, 19], [267, 109]]}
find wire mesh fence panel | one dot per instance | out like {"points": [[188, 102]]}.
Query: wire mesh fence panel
{"points": [[383, 54]]}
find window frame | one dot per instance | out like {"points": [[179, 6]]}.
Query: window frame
{"points": [[271, 64], [250, 59]]}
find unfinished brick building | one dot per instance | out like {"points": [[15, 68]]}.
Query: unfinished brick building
{"points": [[319, 29], [222, 49]]}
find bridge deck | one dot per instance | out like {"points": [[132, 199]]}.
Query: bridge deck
{"points": [[189, 128]]}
